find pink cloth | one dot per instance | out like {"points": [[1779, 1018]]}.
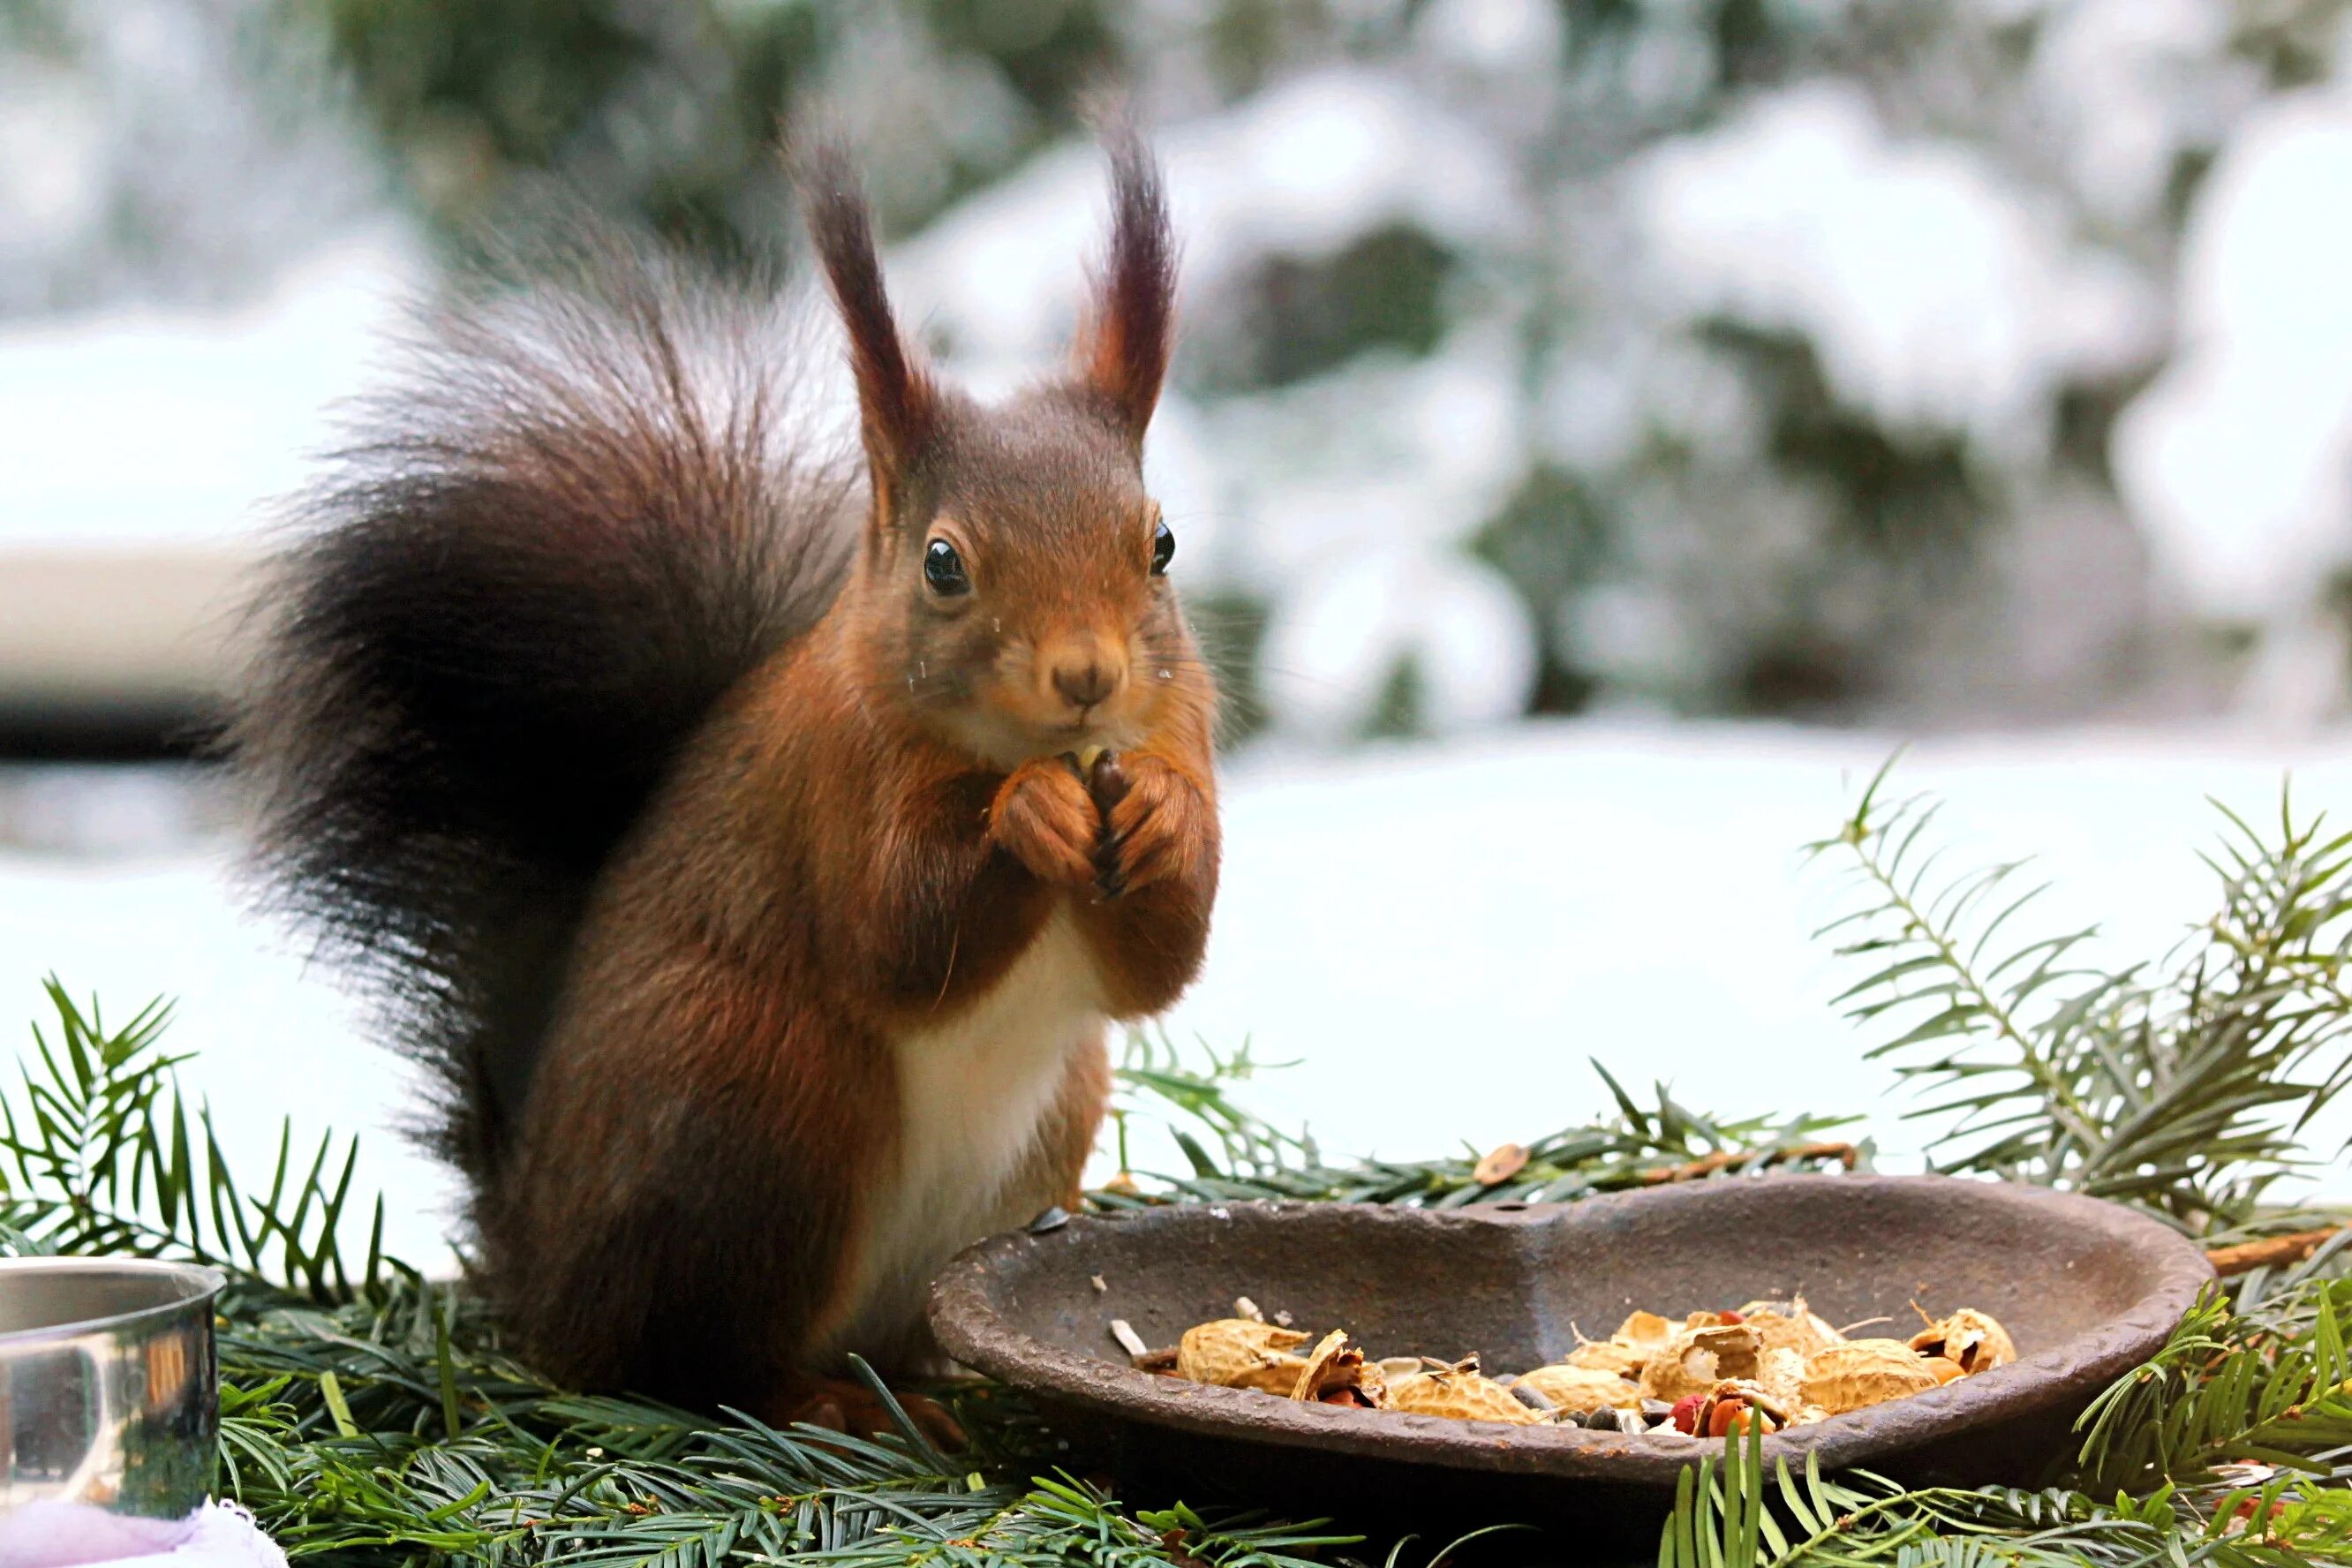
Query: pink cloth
{"points": [[53, 1535]]}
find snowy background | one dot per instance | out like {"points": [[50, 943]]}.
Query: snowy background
{"points": [[1604, 430]]}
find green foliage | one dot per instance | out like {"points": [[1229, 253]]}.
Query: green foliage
{"points": [[99, 1153], [1635, 1146], [371, 1416], [2179, 1085]]}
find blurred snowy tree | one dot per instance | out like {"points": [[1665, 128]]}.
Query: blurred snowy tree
{"points": [[1747, 356]]}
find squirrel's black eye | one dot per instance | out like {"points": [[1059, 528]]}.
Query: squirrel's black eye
{"points": [[1163, 549], [943, 569]]}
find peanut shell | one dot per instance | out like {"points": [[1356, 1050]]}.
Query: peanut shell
{"points": [[1974, 1340], [1864, 1373], [1459, 1396], [1697, 1359], [1580, 1390], [1235, 1352], [1608, 1355], [1322, 1368], [1791, 1325], [1644, 1331], [1780, 1372]]}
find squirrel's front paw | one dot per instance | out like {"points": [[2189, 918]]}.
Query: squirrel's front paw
{"points": [[1044, 819], [1155, 824]]}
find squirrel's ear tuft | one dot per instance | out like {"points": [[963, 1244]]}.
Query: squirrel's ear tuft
{"points": [[895, 397], [1131, 323]]}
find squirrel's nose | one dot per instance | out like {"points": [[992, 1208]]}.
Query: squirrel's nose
{"points": [[1088, 674]]}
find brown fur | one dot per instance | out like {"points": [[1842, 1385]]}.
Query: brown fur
{"points": [[866, 837]]}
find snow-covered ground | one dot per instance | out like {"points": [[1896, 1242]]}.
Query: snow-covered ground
{"points": [[1439, 937]]}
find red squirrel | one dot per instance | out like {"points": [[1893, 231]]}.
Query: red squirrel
{"points": [[705, 807]]}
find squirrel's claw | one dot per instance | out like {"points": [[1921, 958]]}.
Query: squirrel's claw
{"points": [[1150, 826]]}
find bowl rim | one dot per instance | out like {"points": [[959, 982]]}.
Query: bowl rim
{"points": [[977, 1334], [200, 1283]]}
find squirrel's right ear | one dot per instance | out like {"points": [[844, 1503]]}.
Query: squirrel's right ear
{"points": [[1130, 326], [896, 399]]}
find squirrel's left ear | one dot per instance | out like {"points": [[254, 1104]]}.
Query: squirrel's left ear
{"points": [[1131, 324], [897, 402]]}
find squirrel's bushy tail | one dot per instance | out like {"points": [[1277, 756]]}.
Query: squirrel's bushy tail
{"points": [[584, 509]]}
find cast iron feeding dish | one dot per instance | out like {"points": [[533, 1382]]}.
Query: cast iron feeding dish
{"points": [[2087, 1290]]}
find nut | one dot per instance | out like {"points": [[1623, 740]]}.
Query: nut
{"points": [[1235, 1352], [1735, 1406], [1577, 1389], [1500, 1165], [1864, 1373], [1973, 1340]]}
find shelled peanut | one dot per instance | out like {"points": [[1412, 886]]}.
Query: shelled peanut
{"points": [[1766, 1366]]}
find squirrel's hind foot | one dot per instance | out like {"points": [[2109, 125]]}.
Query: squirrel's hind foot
{"points": [[852, 1408]]}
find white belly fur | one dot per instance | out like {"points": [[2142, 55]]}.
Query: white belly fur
{"points": [[972, 1093]]}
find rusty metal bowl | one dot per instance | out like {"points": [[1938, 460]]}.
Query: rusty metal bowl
{"points": [[2086, 1289]]}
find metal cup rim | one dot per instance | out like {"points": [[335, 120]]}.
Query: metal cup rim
{"points": [[200, 1283]]}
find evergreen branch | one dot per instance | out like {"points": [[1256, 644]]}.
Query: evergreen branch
{"points": [[2178, 1085], [1637, 1146], [99, 1153]]}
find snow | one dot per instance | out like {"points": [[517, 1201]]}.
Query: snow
{"points": [[2125, 86], [1498, 38], [123, 428], [1935, 292], [2238, 460], [1439, 935], [1334, 641], [1302, 169], [1360, 485]]}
